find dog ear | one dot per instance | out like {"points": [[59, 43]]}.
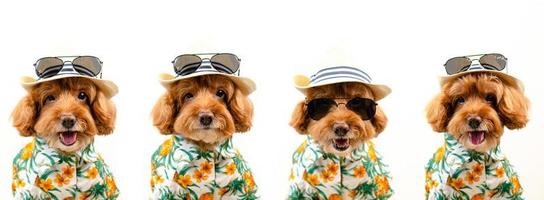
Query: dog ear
{"points": [[241, 109], [379, 121], [438, 113], [299, 120], [104, 113], [163, 114], [513, 108], [24, 116]]}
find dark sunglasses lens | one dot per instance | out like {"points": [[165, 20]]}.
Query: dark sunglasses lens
{"points": [[87, 65], [186, 64], [494, 61], [47, 67], [456, 65], [225, 62], [318, 108], [366, 108]]}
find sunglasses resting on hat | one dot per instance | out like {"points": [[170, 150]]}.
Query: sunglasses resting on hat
{"points": [[493, 61], [83, 65], [222, 62]]}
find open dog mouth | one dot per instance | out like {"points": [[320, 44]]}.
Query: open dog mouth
{"points": [[341, 144], [68, 138], [476, 137]]}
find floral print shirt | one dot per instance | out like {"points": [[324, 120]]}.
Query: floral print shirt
{"points": [[319, 175], [41, 172], [182, 170], [457, 173]]}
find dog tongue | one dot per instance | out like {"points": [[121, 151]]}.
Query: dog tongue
{"points": [[476, 137], [68, 138]]}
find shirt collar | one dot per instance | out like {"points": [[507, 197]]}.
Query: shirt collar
{"points": [[457, 155], [87, 154], [224, 149]]}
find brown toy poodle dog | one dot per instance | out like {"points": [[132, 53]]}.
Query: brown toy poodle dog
{"points": [[472, 109], [199, 161], [63, 115], [206, 110], [67, 113], [341, 130], [340, 117]]}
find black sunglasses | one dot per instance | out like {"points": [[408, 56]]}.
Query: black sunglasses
{"points": [[84, 65], [223, 62], [319, 108], [493, 61]]}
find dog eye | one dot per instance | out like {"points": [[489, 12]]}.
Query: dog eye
{"points": [[49, 98], [460, 101], [82, 96], [188, 96], [220, 94], [491, 99]]}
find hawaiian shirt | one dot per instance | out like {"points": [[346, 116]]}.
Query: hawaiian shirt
{"points": [[457, 173], [182, 170], [41, 172], [319, 175]]}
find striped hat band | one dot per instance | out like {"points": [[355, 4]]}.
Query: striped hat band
{"points": [[340, 72]]}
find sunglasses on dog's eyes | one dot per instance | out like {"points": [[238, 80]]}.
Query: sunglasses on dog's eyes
{"points": [[319, 108], [492, 61], [84, 65], [223, 62]]}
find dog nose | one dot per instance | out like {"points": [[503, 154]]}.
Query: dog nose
{"points": [[340, 129], [205, 118], [474, 122], [68, 121]]}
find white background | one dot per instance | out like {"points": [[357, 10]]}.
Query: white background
{"points": [[401, 43]]}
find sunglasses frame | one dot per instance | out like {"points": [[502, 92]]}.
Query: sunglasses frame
{"points": [[99, 74], [307, 101], [199, 55], [477, 57]]}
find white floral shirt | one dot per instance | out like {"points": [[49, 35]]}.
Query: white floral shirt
{"points": [[41, 172], [319, 175], [457, 173], [182, 170]]}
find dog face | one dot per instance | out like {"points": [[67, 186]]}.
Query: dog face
{"points": [[205, 109], [341, 130], [67, 113], [476, 107]]}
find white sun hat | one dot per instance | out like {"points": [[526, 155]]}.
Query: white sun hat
{"points": [[206, 68], [477, 67], [340, 74], [109, 88]]}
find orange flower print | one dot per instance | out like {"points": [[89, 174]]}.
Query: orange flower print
{"points": [[478, 169], [335, 197], [383, 185], [17, 183], [112, 188], [156, 180], [249, 180], [27, 151], [223, 191], [200, 176], [440, 154], [68, 171], [359, 172], [184, 181], [166, 147], [332, 168], [515, 183], [456, 183], [92, 173], [472, 178], [500, 172], [206, 167], [45, 185], [61, 180], [207, 196], [353, 193], [327, 176], [311, 178], [84, 196], [230, 169], [477, 197], [430, 184]]}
